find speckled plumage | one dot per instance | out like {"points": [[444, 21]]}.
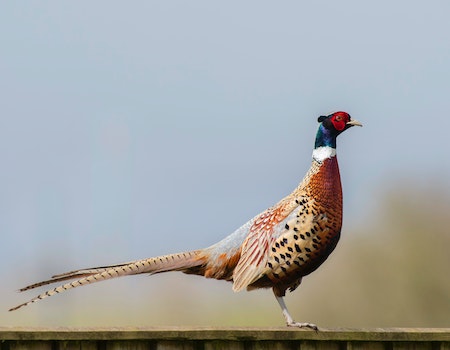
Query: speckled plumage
{"points": [[275, 249]]}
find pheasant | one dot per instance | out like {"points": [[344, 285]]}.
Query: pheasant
{"points": [[275, 249]]}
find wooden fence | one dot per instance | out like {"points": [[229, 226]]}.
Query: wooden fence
{"points": [[230, 338]]}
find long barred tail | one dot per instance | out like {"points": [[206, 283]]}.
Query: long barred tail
{"points": [[172, 262]]}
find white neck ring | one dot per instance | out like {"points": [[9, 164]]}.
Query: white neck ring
{"points": [[324, 152]]}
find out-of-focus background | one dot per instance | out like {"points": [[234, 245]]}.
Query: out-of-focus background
{"points": [[139, 129]]}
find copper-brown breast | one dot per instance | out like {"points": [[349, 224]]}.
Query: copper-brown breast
{"points": [[311, 231]]}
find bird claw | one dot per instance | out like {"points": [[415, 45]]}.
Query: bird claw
{"points": [[302, 325]]}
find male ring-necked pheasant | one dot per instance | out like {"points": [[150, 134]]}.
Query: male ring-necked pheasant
{"points": [[274, 250]]}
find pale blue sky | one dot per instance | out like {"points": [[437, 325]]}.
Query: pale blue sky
{"points": [[130, 130]]}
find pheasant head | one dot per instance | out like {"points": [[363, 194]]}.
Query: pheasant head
{"points": [[329, 128]]}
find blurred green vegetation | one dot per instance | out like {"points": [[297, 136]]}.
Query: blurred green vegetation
{"points": [[392, 270]]}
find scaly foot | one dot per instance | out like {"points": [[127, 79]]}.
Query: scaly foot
{"points": [[302, 325]]}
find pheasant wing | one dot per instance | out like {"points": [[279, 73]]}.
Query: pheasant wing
{"points": [[255, 249]]}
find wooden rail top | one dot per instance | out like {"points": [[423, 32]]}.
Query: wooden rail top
{"points": [[209, 333], [224, 338]]}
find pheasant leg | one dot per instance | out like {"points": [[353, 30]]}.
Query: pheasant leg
{"points": [[289, 321]]}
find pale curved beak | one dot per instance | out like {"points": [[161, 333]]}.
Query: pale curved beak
{"points": [[354, 122]]}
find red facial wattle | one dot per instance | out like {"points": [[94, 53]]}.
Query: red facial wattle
{"points": [[339, 120]]}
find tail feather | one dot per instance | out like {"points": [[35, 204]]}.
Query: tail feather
{"points": [[172, 262], [70, 276]]}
